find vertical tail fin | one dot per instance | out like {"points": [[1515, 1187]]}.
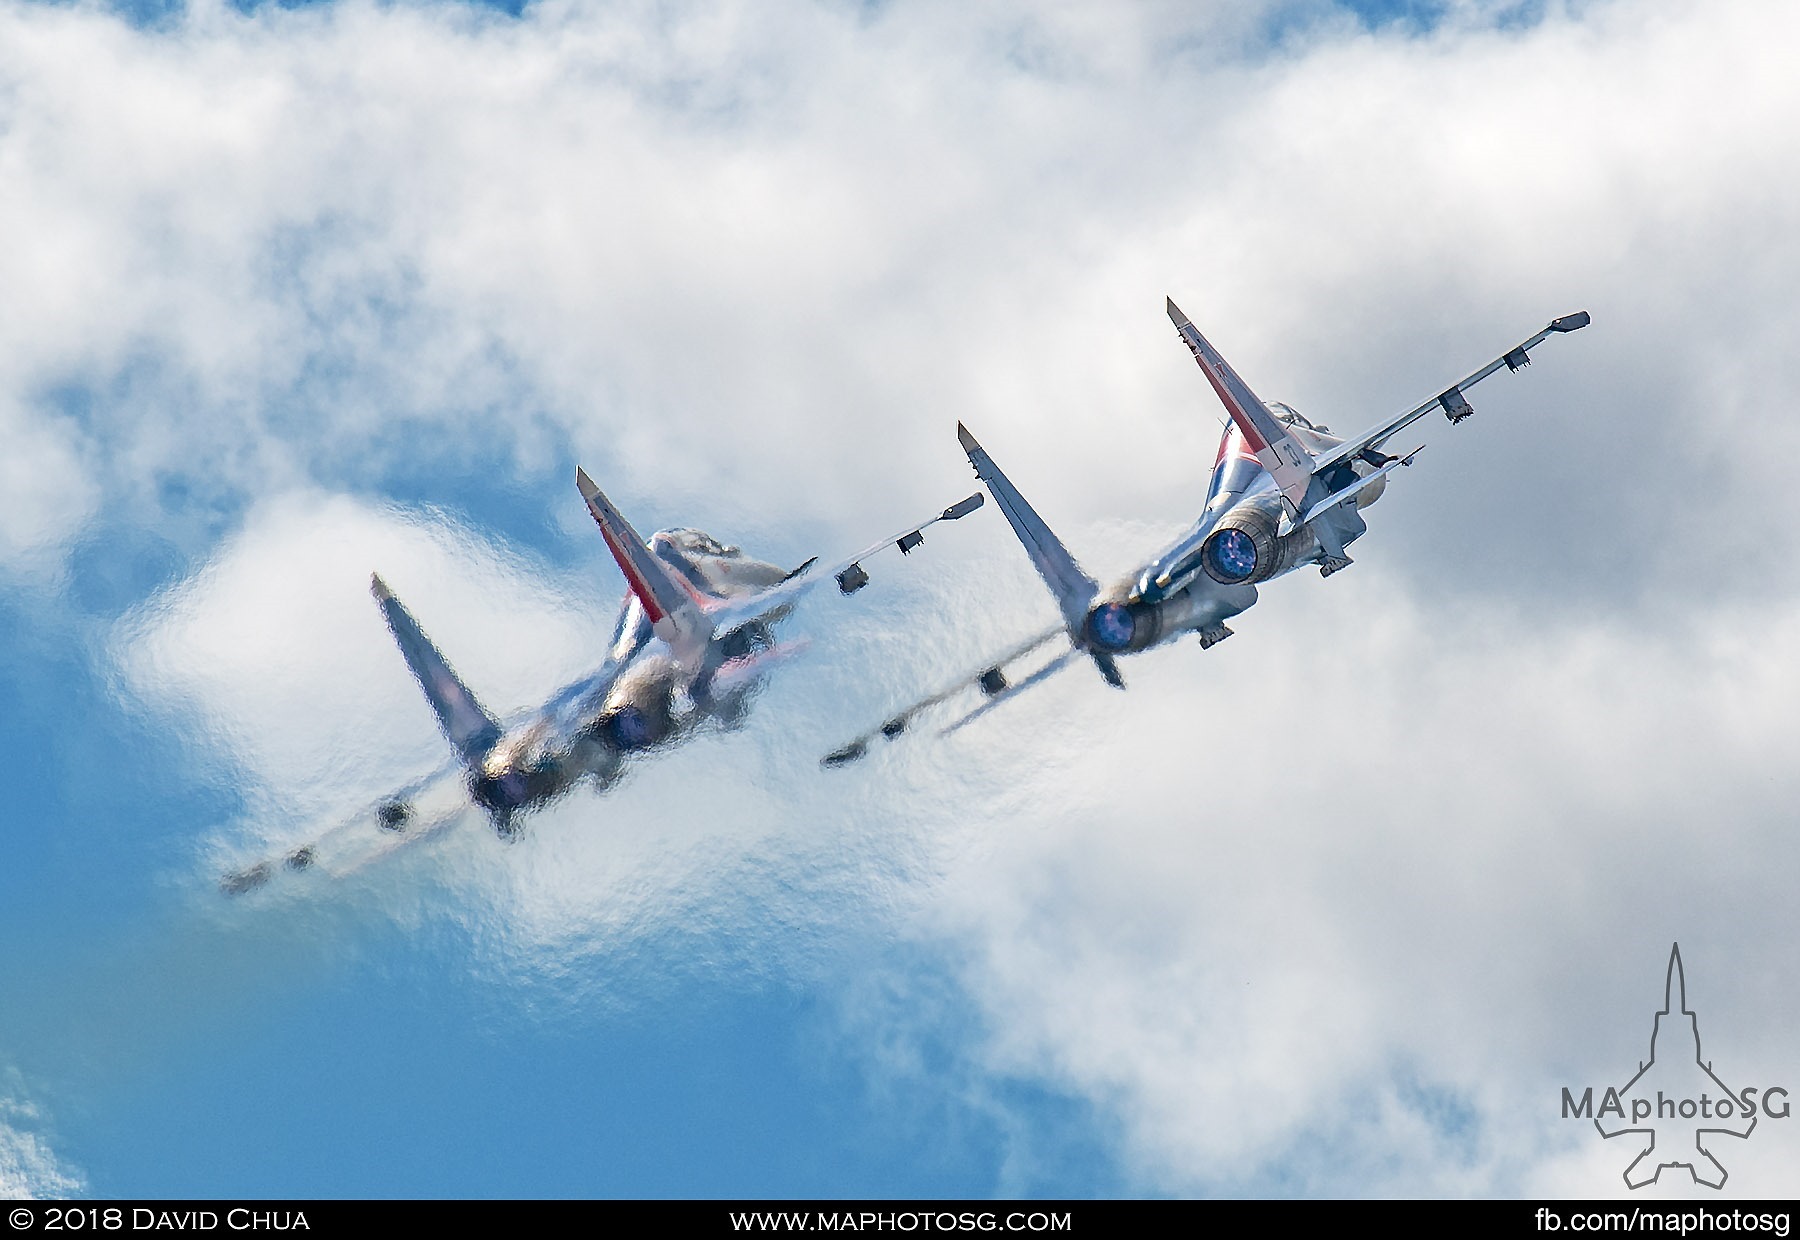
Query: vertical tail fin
{"points": [[467, 726], [1284, 456], [1073, 589], [671, 603]]}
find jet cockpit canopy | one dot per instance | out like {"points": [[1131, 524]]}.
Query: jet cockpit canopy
{"points": [[1291, 415]]}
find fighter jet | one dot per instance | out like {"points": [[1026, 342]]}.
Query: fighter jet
{"points": [[1284, 493], [693, 641]]}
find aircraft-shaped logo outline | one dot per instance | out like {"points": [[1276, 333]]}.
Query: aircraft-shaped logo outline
{"points": [[1705, 1168]]}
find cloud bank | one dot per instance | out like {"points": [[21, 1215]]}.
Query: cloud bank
{"points": [[28, 1168], [1334, 908]]}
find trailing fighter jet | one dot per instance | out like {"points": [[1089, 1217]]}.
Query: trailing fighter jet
{"points": [[693, 641], [1284, 493]]}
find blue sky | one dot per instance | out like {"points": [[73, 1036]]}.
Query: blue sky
{"points": [[1334, 908]]}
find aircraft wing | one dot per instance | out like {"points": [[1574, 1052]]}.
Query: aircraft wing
{"points": [[728, 614], [1013, 690], [990, 680], [422, 809], [1451, 400]]}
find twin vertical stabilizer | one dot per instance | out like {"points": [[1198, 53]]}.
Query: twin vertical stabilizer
{"points": [[1075, 591], [1073, 588], [470, 729], [672, 604], [1276, 448]]}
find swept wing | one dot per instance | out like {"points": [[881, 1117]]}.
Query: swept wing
{"points": [[991, 680], [682, 614], [1451, 400], [381, 826], [849, 574]]}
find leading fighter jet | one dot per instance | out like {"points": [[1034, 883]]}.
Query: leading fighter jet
{"points": [[1284, 493], [693, 640]]}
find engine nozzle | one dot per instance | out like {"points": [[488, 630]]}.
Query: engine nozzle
{"points": [[1230, 556], [1246, 545], [628, 728], [1111, 627], [503, 791]]}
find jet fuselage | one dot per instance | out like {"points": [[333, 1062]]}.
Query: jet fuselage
{"points": [[642, 697], [1199, 580]]}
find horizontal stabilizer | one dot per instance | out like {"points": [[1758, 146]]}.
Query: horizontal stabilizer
{"points": [[745, 670], [1109, 668], [469, 728]]}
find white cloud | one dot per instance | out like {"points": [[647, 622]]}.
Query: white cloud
{"points": [[44, 496], [279, 246], [1338, 915], [1375, 875], [277, 665], [277, 655], [28, 1168]]}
